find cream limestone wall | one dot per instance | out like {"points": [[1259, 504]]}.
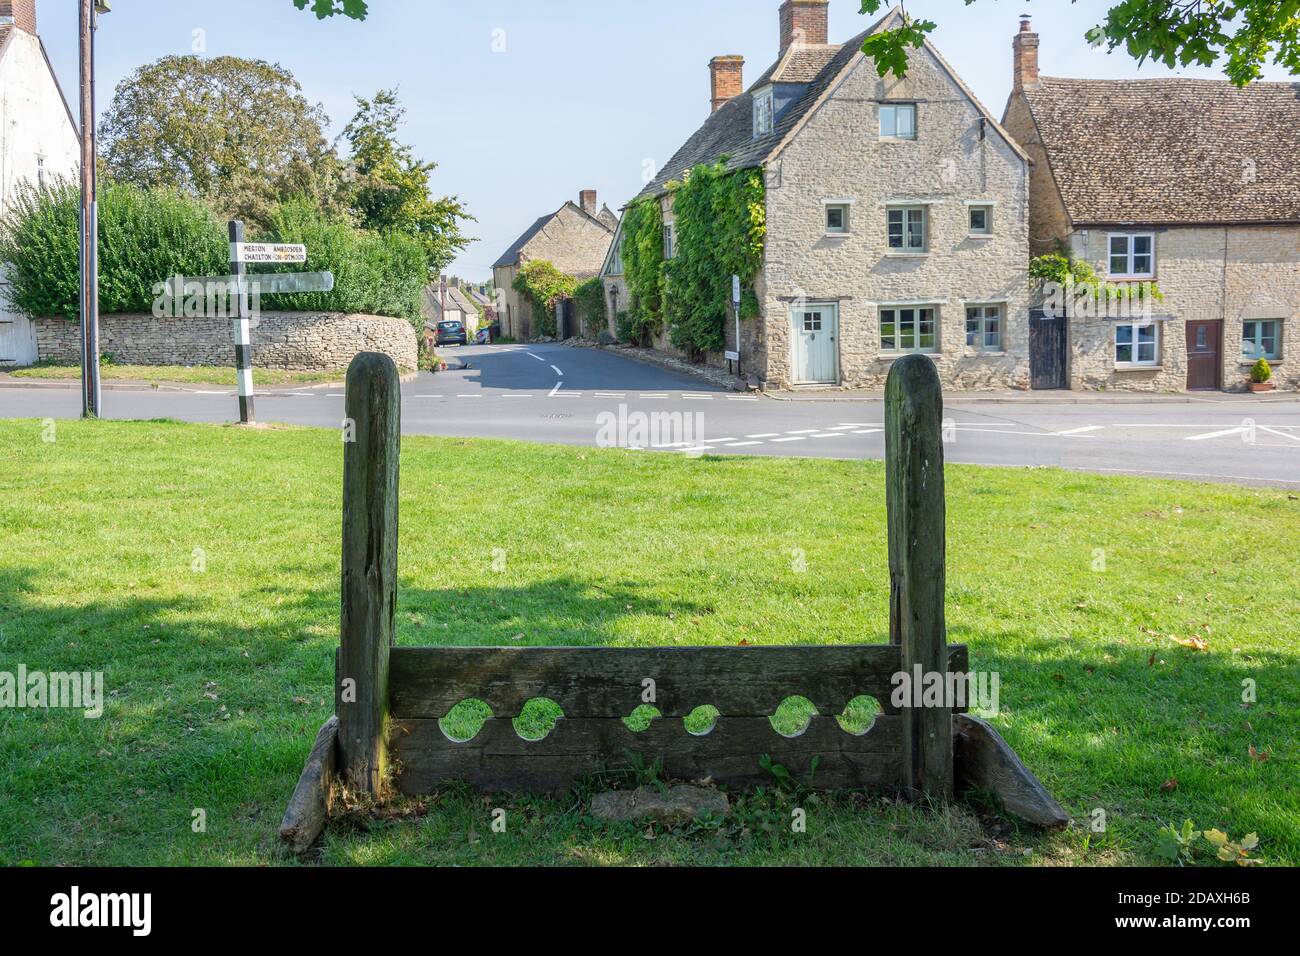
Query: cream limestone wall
{"points": [[1234, 273], [36, 134], [955, 159]]}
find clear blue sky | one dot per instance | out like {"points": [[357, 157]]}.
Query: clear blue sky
{"points": [[585, 93]]}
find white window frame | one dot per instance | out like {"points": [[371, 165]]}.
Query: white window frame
{"points": [[1135, 344], [1130, 255], [987, 209], [616, 262], [846, 208], [907, 248], [670, 240], [897, 348], [983, 308], [1256, 353], [893, 110], [764, 112]]}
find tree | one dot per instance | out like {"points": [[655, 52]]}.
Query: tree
{"points": [[236, 133], [390, 188], [1172, 32], [356, 9]]}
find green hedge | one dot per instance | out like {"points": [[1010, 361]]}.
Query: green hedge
{"points": [[148, 236], [589, 298]]}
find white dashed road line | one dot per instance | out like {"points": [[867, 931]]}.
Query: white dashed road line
{"points": [[538, 357], [557, 371]]}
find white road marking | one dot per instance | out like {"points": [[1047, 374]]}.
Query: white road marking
{"points": [[742, 444], [841, 428], [765, 435], [538, 357], [212, 393], [778, 441], [515, 395], [1194, 474], [555, 391], [557, 371], [697, 398], [829, 435], [869, 431], [716, 441], [1239, 430], [469, 396], [740, 398], [1081, 431], [1274, 431], [610, 394], [804, 431], [654, 394]]}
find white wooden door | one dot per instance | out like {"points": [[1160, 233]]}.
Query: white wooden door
{"points": [[816, 336]]}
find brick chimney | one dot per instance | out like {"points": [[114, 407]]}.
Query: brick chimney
{"points": [[728, 78], [804, 22], [1025, 46], [23, 13], [587, 200]]}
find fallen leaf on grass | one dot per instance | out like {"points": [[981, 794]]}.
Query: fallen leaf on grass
{"points": [[1196, 643], [1170, 785], [1259, 756]]}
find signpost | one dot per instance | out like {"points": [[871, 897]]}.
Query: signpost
{"points": [[735, 308], [239, 284]]}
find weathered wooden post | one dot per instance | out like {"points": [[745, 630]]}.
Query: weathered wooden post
{"points": [[915, 500], [372, 432]]}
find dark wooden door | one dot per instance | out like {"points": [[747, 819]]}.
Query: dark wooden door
{"points": [[1204, 355], [1047, 350]]}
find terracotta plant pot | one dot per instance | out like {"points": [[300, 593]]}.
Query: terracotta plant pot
{"points": [[1261, 386]]}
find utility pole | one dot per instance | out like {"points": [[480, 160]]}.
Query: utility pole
{"points": [[89, 308]]}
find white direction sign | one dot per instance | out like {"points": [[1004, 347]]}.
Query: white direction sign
{"points": [[267, 252]]}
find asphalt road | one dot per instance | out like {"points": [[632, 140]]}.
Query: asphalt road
{"points": [[552, 393]]}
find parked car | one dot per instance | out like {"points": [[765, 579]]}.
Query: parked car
{"points": [[451, 333], [483, 337]]}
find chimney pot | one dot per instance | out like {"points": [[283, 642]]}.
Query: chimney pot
{"points": [[1025, 49], [22, 12], [804, 23], [727, 79], [587, 200]]}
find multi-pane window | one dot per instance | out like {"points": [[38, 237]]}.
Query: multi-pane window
{"points": [[898, 121], [984, 328], [812, 321], [670, 241], [1132, 256], [981, 220], [1137, 344], [837, 218], [763, 113], [906, 228], [616, 263], [1260, 338], [908, 329]]}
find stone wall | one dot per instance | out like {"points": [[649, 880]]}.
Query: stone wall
{"points": [[956, 159], [293, 341], [1233, 273]]}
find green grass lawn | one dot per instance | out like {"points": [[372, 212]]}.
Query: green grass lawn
{"points": [[178, 374], [218, 678]]}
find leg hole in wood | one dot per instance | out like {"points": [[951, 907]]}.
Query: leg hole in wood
{"points": [[701, 720], [465, 720], [640, 719], [860, 715], [793, 716], [537, 718]]}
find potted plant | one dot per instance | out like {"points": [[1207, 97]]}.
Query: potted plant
{"points": [[1261, 375]]}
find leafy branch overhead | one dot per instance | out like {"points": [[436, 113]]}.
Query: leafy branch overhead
{"points": [[1249, 33], [356, 9]]}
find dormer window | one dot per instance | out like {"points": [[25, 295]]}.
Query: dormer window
{"points": [[764, 115]]}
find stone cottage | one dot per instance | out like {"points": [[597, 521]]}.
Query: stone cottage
{"points": [[38, 143], [897, 215], [574, 238], [1191, 184]]}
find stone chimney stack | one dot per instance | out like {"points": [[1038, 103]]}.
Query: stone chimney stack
{"points": [[587, 200], [21, 12], [1025, 46], [804, 22], [727, 74]]}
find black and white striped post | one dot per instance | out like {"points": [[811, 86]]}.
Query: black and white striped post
{"points": [[243, 339]]}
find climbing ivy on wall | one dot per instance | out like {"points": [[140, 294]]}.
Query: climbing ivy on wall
{"points": [[544, 285], [643, 269], [720, 231]]}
